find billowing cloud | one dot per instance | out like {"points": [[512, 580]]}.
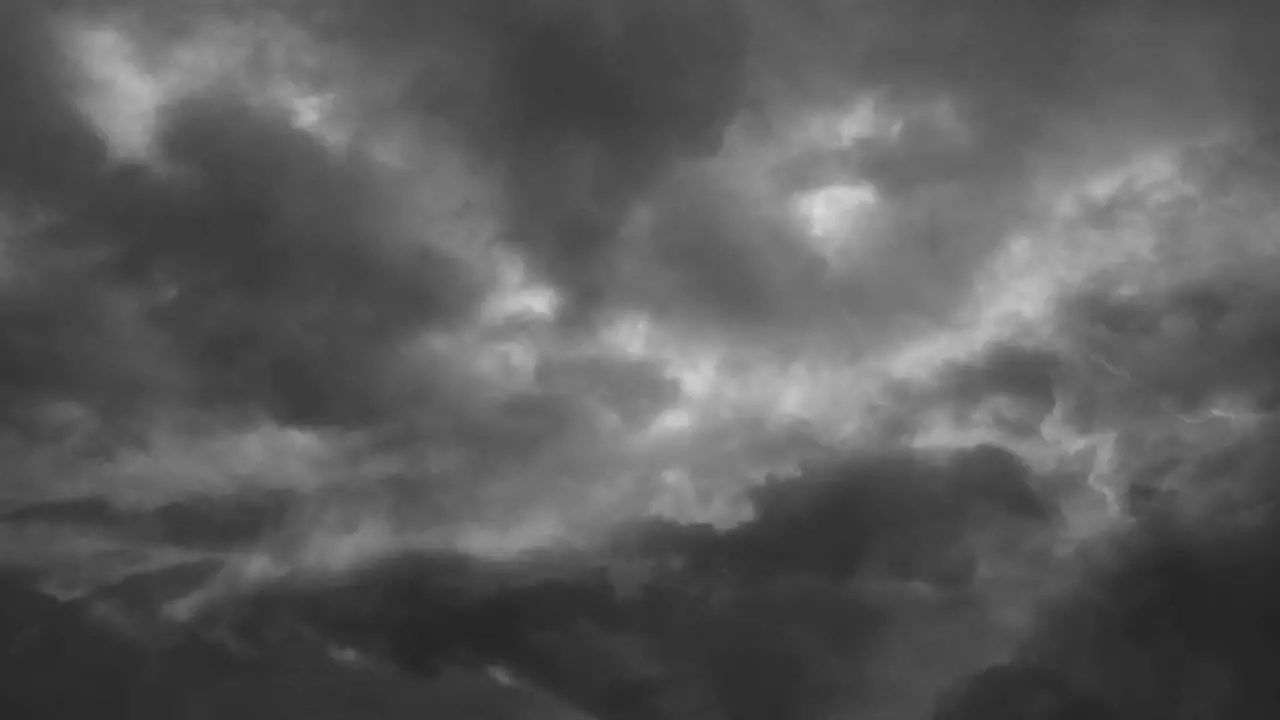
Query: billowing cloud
{"points": [[913, 326], [48, 148]]}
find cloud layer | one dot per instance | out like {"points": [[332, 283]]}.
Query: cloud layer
{"points": [[811, 306]]}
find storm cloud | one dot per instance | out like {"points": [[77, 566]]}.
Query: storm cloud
{"points": [[660, 344]]}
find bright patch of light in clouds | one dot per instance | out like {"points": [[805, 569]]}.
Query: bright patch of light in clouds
{"points": [[123, 95], [520, 297], [313, 112], [670, 422], [121, 98], [830, 216]]}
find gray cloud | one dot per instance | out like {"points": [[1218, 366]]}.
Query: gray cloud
{"points": [[636, 391], [1178, 363], [774, 589], [290, 275], [48, 150], [1029, 91], [266, 275], [253, 270], [575, 113], [1184, 596]]}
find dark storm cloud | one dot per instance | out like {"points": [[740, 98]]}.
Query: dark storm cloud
{"points": [[293, 284], [1005, 369], [46, 148], [67, 333], [1170, 617], [259, 270], [1022, 380], [594, 104], [1180, 362], [583, 110], [1186, 347], [1165, 619], [903, 515], [755, 621], [898, 515], [667, 649], [587, 111], [190, 675], [602, 120], [576, 108], [68, 336], [1015, 691]]}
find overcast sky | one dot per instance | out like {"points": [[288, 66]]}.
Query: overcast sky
{"points": [[502, 275], [584, 258]]}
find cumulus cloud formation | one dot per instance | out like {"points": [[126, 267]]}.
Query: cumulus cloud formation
{"points": [[663, 346]]}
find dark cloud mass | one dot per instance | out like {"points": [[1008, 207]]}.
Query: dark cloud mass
{"points": [[48, 150], [777, 641], [282, 253], [261, 270], [722, 359], [594, 104]]}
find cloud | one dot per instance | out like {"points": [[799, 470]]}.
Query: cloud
{"points": [[907, 517], [1191, 345], [1014, 691], [483, 278], [1185, 595], [1173, 357], [636, 391], [115, 672], [48, 148], [285, 258], [258, 268], [1010, 388], [595, 105], [209, 524], [973, 124], [968, 124], [795, 585]]}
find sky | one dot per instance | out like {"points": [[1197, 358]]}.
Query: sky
{"points": [[506, 276]]}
